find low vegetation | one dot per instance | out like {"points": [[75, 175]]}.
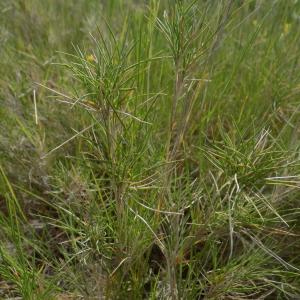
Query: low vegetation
{"points": [[149, 149]]}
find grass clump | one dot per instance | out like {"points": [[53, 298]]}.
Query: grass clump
{"points": [[149, 150]]}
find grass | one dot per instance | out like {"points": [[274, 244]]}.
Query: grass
{"points": [[149, 149]]}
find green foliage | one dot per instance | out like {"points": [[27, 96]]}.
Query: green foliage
{"points": [[149, 149]]}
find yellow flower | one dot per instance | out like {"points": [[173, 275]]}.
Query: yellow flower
{"points": [[286, 28], [91, 58]]}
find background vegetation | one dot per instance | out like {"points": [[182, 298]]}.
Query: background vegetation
{"points": [[149, 149]]}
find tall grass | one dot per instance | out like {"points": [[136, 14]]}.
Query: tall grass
{"points": [[149, 149]]}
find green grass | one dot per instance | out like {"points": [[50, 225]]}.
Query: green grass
{"points": [[149, 149]]}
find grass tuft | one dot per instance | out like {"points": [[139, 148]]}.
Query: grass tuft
{"points": [[149, 149]]}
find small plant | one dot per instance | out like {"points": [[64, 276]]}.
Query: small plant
{"points": [[149, 150]]}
